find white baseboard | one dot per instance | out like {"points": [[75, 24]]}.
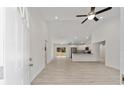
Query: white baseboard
{"points": [[111, 66], [37, 73], [50, 60]]}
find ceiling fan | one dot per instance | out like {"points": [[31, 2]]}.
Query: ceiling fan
{"points": [[92, 14]]}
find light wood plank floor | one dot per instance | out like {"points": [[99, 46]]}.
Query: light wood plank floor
{"points": [[65, 72]]}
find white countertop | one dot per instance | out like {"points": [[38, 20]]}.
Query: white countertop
{"points": [[83, 57]]}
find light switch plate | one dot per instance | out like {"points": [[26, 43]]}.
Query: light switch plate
{"points": [[1, 72]]}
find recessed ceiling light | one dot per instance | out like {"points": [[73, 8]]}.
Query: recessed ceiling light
{"points": [[75, 37], [63, 42], [56, 17], [87, 37], [101, 17]]}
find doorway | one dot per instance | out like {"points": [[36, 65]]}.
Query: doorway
{"points": [[102, 51], [61, 52]]}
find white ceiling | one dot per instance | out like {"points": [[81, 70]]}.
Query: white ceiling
{"points": [[67, 27]]}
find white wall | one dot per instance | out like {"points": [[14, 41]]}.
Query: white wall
{"points": [[109, 31], [38, 33], [37, 42], [49, 43], [50, 50], [66, 30], [2, 30], [122, 42]]}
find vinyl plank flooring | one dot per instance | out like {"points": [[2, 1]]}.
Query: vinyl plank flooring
{"points": [[66, 72]]}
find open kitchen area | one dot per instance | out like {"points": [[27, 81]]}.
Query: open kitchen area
{"points": [[81, 52]]}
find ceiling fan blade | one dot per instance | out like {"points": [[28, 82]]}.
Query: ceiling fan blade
{"points": [[106, 9], [84, 21], [81, 15], [92, 9], [96, 19]]}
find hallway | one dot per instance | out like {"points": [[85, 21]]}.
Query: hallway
{"points": [[62, 71], [32, 37]]}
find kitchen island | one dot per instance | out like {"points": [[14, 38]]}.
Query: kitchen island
{"points": [[83, 57]]}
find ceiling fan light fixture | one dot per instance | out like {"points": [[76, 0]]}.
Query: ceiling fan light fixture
{"points": [[92, 14], [56, 17], [90, 17]]}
